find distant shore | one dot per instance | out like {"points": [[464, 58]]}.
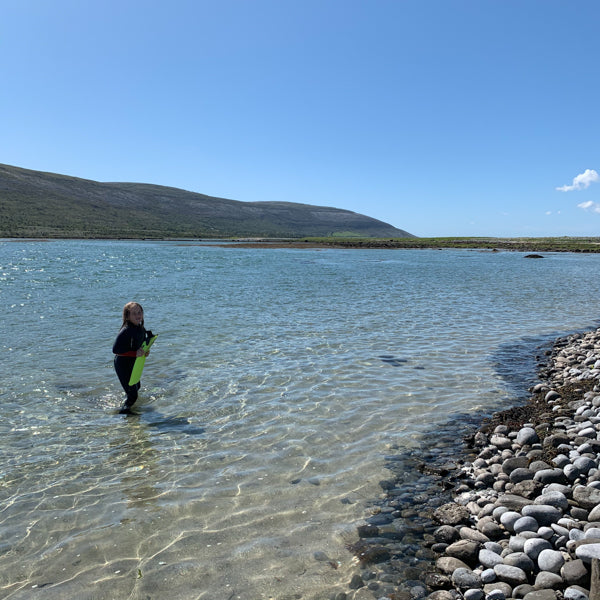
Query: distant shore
{"points": [[534, 245], [562, 244]]}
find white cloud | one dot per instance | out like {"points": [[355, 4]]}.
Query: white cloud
{"points": [[589, 205], [581, 182]]}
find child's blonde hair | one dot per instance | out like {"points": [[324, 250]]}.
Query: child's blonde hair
{"points": [[127, 310]]}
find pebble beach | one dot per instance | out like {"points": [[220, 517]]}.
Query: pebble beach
{"points": [[516, 514]]}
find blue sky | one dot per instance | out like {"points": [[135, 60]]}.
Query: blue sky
{"points": [[441, 117]]}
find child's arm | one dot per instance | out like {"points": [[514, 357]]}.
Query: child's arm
{"points": [[123, 345]]}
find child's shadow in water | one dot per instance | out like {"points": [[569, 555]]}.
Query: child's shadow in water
{"points": [[152, 419]]}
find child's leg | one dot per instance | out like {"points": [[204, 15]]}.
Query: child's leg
{"points": [[123, 369]]}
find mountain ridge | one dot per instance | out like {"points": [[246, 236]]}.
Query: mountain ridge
{"points": [[44, 204]]}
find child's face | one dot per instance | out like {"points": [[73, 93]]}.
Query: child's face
{"points": [[136, 315]]}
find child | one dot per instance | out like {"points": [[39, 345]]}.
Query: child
{"points": [[127, 347]]}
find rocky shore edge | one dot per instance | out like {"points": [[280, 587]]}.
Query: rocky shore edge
{"points": [[520, 516]]}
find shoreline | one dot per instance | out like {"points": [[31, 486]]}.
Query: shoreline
{"points": [[534, 245], [517, 512], [590, 245]]}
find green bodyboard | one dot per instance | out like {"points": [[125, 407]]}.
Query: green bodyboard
{"points": [[140, 361]]}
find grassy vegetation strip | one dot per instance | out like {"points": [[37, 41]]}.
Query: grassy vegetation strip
{"points": [[562, 244]]}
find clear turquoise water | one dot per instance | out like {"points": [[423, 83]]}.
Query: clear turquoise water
{"points": [[279, 381]]}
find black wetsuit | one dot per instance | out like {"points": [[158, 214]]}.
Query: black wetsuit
{"points": [[130, 339]]}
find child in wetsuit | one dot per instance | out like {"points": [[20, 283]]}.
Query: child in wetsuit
{"points": [[127, 347]]}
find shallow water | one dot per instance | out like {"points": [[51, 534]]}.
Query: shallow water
{"points": [[279, 382]]}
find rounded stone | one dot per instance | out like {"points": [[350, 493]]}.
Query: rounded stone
{"points": [[550, 560], [501, 442], [496, 594], [584, 464], [516, 462], [574, 572], [586, 497], [521, 474], [511, 575], [544, 514], [581, 514], [521, 560], [489, 559], [474, 594], [446, 534], [547, 476], [571, 472], [559, 529], [512, 501], [528, 489], [466, 533], [534, 546], [594, 514], [437, 595], [561, 460], [540, 595], [592, 533], [508, 519], [527, 436], [488, 576], [575, 593], [553, 498], [466, 579], [558, 487], [526, 523], [517, 543], [500, 586], [587, 552], [522, 590], [547, 580], [490, 528], [498, 512], [448, 564], [464, 550], [494, 547], [576, 535], [538, 465]]}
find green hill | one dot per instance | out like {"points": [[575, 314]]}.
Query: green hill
{"points": [[38, 204]]}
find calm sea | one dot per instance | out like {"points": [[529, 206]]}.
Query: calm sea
{"points": [[279, 381]]}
